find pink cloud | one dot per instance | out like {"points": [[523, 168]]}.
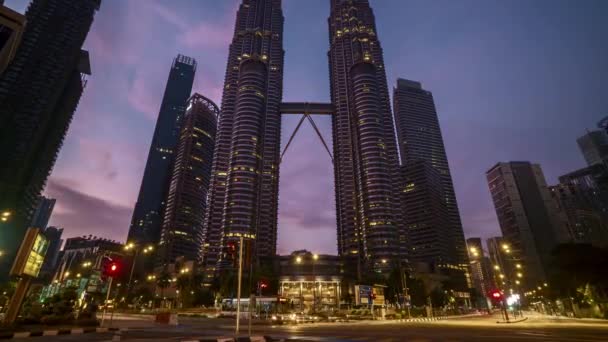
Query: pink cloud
{"points": [[207, 35], [144, 94]]}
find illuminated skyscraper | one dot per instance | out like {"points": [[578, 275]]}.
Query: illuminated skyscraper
{"points": [[245, 177], [419, 137], [365, 153], [182, 233], [39, 92], [146, 222], [243, 194]]}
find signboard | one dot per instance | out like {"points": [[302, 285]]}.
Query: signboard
{"points": [[31, 254], [363, 294], [366, 295]]}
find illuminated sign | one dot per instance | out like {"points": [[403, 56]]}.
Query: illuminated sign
{"points": [[31, 254]]}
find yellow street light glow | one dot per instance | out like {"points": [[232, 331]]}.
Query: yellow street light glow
{"points": [[66, 274], [519, 275], [473, 250], [4, 219], [505, 246], [78, 275], [518, 265], [384, 261], [502, 276], [1, 253], [6, 214], [496, 267], [298, 260], [545, 285], [539, 288], [517, 282], [315, 256]]}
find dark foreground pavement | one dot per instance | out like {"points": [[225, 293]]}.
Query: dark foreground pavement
{"points": [[473, 329]]}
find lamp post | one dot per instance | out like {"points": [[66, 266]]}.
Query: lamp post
{"points": [[131, 246], [315, 257], [299, 261]]}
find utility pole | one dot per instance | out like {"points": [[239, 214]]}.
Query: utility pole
{"points": [[238, 292], [105, 306]]}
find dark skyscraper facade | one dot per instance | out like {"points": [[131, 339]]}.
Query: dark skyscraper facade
{"points": [[365, 153], [43, 212], [39, 92], [244, 182], [419, 138], [147, 221], [594, 146], [425, 213], [527, 216], [182, 233], [243, 196]]}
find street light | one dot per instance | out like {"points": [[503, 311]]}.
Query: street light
{"points": [[384, 261], [518, 265], [315, 256], [1, 253], [496, 267], [298, 260], [519, 275], [5, 216]]}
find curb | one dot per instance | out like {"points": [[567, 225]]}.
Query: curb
{"points": [[511, 322], [56, 332], [238, 339], [423, 319]]}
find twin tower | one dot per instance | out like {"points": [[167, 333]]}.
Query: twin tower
{"points": [[244, 185]]}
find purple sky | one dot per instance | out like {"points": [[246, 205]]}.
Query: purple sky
{"points": [[513, 80]]}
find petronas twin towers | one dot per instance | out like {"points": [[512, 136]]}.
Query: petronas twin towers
{"points": [[243, 194]]}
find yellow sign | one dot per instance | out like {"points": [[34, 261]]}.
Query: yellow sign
{"points": [[31, 254]]}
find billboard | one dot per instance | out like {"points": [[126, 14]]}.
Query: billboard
{"points": [[31, 254], [366, 295]]}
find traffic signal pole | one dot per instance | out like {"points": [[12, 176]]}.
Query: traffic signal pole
{"points": [[105, 306]]}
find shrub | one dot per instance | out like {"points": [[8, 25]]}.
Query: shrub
{"points": [[87, 322], [51, 320]]}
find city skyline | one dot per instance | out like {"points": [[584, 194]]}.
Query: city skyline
{"points": [[120, 163]]}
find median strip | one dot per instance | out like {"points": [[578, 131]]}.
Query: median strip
{"points": [[39, 333]]}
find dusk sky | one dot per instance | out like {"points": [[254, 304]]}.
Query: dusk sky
{"points": [[512, 80]]}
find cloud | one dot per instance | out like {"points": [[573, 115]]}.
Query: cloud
{"points": [[82, 214], [141, 95], [207, 35]]}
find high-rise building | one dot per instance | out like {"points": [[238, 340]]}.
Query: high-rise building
{"points": [[53, 234], [527, 216], [243, 195], [581, 198], [419, 137], [365, 152], [146, 222], [594, 146], [43, 212], [244, 184], [11, 30], [425, 214], [182, 233], [39, 92], [481, 268]]}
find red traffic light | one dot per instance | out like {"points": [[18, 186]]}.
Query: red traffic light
{"points": [[496, 294], [113, 268]]}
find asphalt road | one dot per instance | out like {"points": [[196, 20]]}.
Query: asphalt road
{"points": [[469, 329]]}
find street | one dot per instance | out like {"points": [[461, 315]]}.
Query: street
{"points": [[536, 328]]}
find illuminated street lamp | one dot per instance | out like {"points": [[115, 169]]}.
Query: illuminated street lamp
{"points": [[298, 260], [5, 215], [384, 261], [1, 253], [519, 275], [496, 267], [315, 256]]}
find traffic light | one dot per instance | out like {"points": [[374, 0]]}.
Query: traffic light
{"points": [[231, 253], [496, 297], [262, 285], [109, 267]]}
